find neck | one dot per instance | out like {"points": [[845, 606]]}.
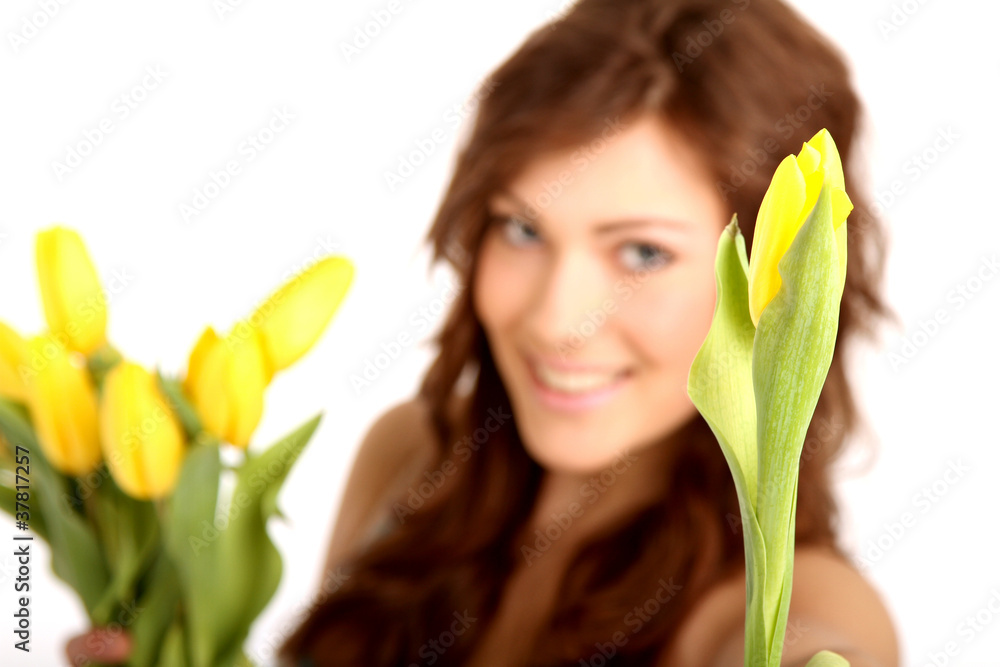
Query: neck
{"points": [[573, 507]]}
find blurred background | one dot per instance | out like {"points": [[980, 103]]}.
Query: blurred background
{"points": [[120, 119]]}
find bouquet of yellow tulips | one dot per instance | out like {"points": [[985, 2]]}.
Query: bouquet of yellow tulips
{"points": [[118, 468], [757, 377]]}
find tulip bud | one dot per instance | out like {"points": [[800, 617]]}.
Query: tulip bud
{"points": [[141, 437], [13, 351], [72, 297], [789, 200], [62, 402], [226, 379], [291, 320]]}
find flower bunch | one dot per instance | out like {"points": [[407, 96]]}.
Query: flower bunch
{"points": [[118, 467]]}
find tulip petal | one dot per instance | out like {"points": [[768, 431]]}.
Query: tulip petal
{"points": [[777, 223], [205, 379], [13, 352], [842, 207], [142, 440], [63, 406], [196, 360], [823, 142], [246, 380], [72, 296], [292, 319]]}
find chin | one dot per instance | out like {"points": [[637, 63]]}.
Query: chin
{"points": [[567, 454]]}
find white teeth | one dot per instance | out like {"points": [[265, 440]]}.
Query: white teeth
{"points": [[574, 383]]}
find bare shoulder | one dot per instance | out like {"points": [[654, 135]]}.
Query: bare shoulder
{"points": [[399, 443], [833, 606]]}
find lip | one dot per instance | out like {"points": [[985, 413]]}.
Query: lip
{"points": [[560, 365], [563, 402]]}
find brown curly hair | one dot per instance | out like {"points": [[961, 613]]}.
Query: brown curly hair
{"points": [[747, 82]]}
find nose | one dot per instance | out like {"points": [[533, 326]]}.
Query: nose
{"points": [[567, 304]]}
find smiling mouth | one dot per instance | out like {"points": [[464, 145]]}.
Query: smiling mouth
{"points": [[575, 383]]}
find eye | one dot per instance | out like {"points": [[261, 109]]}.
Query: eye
{"points": [[515, 230], [648, 256]]}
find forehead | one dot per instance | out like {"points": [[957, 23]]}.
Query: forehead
{"points": [[641, 169]]}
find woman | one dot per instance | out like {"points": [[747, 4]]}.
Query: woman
{"points": [[656, 119], [551, 496]]}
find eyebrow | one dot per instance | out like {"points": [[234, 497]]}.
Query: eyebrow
{"points": [[606, 227]]}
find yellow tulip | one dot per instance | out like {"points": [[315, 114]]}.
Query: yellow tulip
{"points": [[141, 438], [13, 352], [74, 303], [62, 402], [291, 320], [226, 380], [789, 200]]}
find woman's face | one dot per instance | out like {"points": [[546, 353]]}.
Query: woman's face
{"points": [[596, 286]]}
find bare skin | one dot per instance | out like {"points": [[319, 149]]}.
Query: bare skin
{"points": [[833, 606], [631, 237]]}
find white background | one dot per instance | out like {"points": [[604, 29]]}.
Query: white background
{"points": [[319, 188]]}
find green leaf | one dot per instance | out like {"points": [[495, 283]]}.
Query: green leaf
{"points": [[792, 352], [76, 554], [157, 607], [720, 383], [190, 522], [229, 567], [827, 659], [172, 654], [8, 503], [185, 412], [252, 562], [130, 534]]}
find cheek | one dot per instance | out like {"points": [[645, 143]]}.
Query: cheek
{"points": [[672, 318], [500, 285]]}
